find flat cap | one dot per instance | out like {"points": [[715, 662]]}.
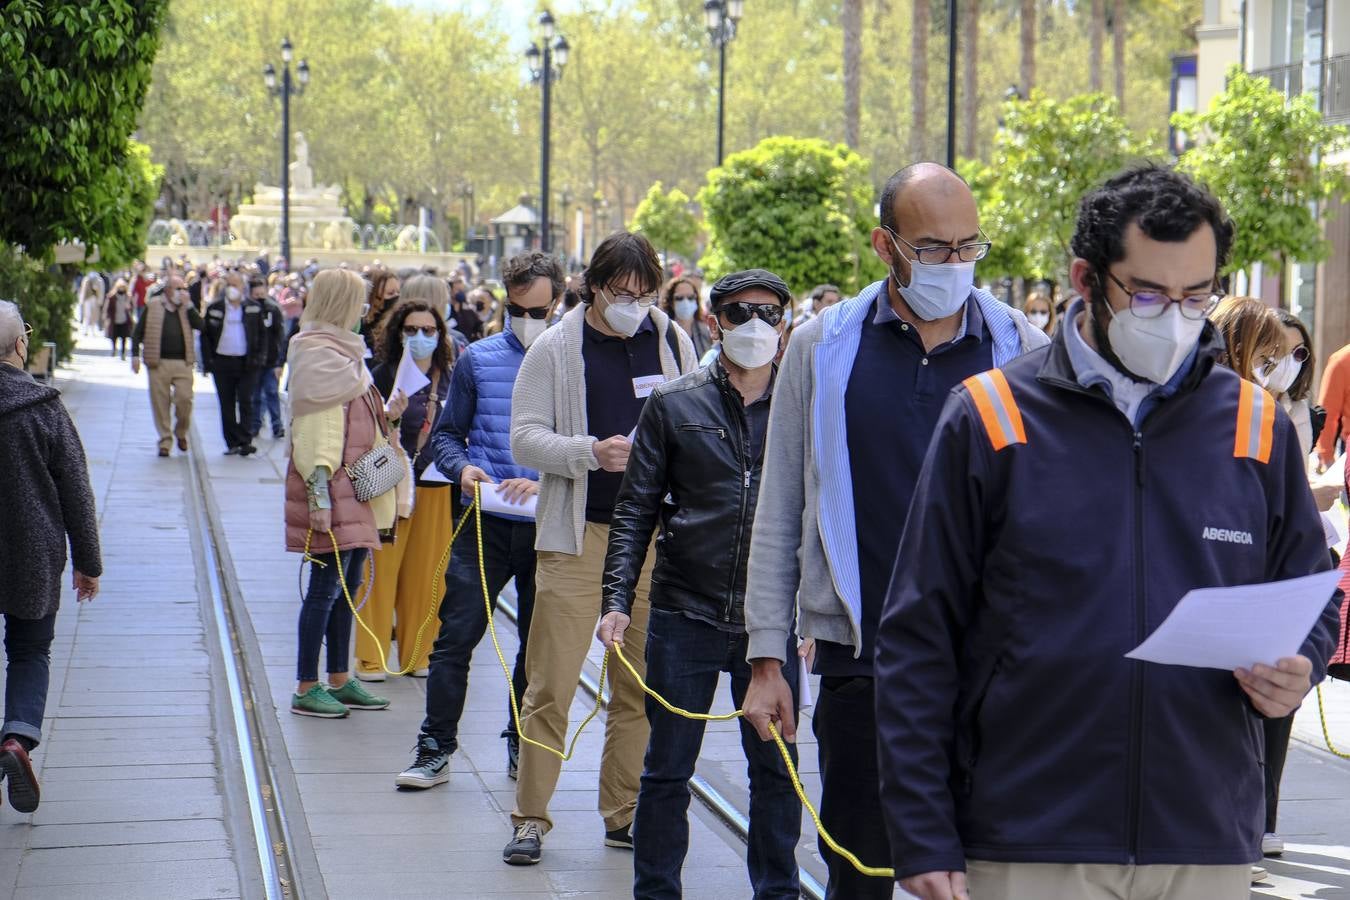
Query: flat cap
{"points": [[729, 285]]}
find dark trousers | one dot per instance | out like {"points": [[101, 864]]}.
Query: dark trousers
{"points": [[28, 657], [684, 659], [266, 400], [845, 725], [325, 615], [235, 384], [1278, 732], [508, 552]]}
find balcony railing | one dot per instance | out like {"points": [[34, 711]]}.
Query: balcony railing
{"points": [[1334, 95]]}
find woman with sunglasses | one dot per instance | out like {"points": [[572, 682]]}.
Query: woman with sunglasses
{"points": [[1290, 376], [406, 570], [679, 299]]}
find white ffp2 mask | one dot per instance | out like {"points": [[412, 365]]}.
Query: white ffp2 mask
{"points": [[751, 344], [1154, 348]]}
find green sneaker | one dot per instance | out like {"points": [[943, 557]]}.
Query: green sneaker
{"points": [[318, 702], [354, 695]]}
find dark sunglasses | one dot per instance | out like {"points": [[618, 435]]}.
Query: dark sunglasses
{"points": [[1300, 354], [740, 312], [427, 330], [520, 312]]}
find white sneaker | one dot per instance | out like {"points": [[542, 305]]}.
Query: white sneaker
{"points": [[370, 676], [1272, 845], [420, 673], [1259, 874]]}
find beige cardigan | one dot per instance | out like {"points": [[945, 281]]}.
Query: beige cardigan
{"points": [[549, 429]]}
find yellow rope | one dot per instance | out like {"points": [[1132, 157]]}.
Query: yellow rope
{"points": [[476, 510], [1326, 732]]}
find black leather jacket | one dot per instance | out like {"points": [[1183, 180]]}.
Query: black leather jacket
{"points": [[257, 333], [690, 468]]}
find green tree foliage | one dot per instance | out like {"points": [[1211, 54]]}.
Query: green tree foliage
{"points": [[44, 298], [799, 207], [124, 202], [73, 75], [1047, 156], [1264, 157], [664, 217]]}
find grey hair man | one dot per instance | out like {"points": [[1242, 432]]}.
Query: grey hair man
{"points": [[47, 484]]}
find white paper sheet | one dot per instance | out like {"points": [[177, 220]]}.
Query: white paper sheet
{"points": [[1333, 526], [493, 502], [409, 378], [804, 684], [1237, 627], [431, 473]]}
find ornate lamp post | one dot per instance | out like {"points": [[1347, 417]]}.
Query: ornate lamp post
{"points": [[546, 58], [285, 90], [721, 18]]}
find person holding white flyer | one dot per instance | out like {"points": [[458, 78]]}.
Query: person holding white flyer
{"points": [[1023, 753], [471, 446]]}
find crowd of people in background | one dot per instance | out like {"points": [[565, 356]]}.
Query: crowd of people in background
{"points": [[653, 454]]}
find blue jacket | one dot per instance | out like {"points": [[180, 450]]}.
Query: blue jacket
{"points": [[475, 428], [832, 365], [1047, 538]]}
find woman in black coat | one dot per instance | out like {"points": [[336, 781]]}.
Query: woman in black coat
{"points": [[47, 500]]}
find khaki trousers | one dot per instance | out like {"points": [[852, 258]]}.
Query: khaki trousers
{"points": [[171, 383], [1046, 881], [566, 613], [409, 582]]}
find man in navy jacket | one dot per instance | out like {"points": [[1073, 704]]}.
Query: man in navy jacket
{"points": [[1067, 503]]}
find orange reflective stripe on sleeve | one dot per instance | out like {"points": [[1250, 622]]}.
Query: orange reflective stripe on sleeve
{"points": [[1255, 423], [998, 410]]}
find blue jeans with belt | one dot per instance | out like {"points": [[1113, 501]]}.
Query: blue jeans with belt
{"points": [[684, 659], [28, 657]]}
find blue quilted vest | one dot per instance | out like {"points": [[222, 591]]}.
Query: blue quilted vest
{"points": [[494, 362]]}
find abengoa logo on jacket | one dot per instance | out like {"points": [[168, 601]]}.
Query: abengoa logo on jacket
{"points": [[1227, 536]]}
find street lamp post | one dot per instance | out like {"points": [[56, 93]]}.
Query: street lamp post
{"points": [[951, 83], [286, 89], [721, 18], [541, 57]]}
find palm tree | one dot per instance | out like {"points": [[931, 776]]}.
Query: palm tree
{"points": [[1096, 33], [1118, 48], [1028, 69], [918, 81], [970, 82], [852, 20]]}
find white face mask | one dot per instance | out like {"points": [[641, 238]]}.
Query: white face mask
{"points": [[1039, 319], [936, 292], [527, 330], [751, 344], [625, 318], [685, 308], [233, 293], [1153, 349], [1278, 379]]}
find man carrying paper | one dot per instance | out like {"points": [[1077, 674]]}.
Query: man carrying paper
{"points": [[1020, 748], [471, 445]]}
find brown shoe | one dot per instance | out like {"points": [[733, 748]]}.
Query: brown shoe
{"points": [[24, 793], [163, 451], [183, 444]]}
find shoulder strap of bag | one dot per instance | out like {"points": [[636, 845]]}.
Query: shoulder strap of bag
{"points": [[674, 344], [433, 413]]}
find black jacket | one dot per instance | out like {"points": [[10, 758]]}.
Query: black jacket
{"points": [[46, 496], [274, 327], [1011, 726], [690, 468], [256, 333]]}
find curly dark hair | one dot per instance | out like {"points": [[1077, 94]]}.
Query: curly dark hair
{"points": [[621, 254], [521, 270], [389, 336], [1166, 204]]}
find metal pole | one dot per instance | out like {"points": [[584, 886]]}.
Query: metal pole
{"points": [[721, 91], [544, 236], [286, 163], [951, 83]]}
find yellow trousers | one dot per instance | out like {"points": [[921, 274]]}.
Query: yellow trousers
{"points": [[409, 582]]}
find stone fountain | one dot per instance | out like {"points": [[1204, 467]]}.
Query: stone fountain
{"points": [[318, 220]]}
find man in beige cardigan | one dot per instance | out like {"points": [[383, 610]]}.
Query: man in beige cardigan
{"points": [[580, 390]]}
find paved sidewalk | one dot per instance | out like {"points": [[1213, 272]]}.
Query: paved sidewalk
{"points": [[368, 838], [137, 800]]}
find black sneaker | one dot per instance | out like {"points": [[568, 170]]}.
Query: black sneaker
{"points": [[621, 838], [431, 766], [512, 755], [232, 451], [526, 845], [278, 433], [247, 450]]}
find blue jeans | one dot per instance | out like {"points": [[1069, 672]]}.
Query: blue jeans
{"points": [[684, 659], [28, 657], [508, 552], [326, 615], [266, 393]]}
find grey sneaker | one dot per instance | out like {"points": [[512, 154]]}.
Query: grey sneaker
{"points": [[431, 766], [526, 845], [1259, 874], [1272, 845]]}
